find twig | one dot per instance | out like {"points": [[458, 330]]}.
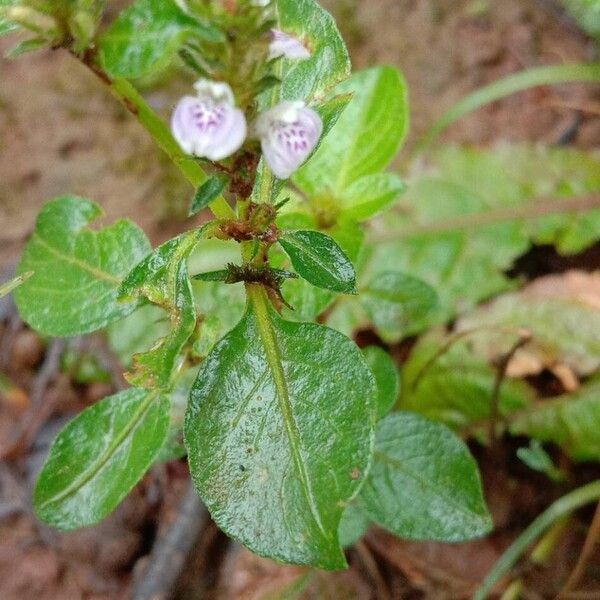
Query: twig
{"points": [[586, 553], [371, 565], [170, 551], [39, 410], [524, 338]]}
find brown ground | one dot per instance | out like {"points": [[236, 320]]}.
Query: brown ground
{"points": [[61, 133]]}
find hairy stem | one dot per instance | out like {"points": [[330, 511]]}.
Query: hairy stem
{"points": [[133, 101]]}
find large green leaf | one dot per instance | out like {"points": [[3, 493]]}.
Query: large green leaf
{"points": [[397, 304], [369, 195], [318, 259], [424, 483], [76, 271], [146, 36], [162, 277], [99, 456], [366, 137], [446, 382], [571, 421], [279, 434]]}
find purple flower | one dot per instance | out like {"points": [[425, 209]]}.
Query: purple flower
{"points": [[288, 133], [208, 124], [288, 46]]}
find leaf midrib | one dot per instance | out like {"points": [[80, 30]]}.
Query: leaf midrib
{"points": [[273, 355], [95, 468], [98, 273]]}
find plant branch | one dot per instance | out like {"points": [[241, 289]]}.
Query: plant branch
{"points": [[517, 82], [133, 101], [586, 554], [534, 210], [563, 506]]}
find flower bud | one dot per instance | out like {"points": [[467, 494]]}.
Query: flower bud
{"points": [[288, 46], [288, 133], [208, 124]]}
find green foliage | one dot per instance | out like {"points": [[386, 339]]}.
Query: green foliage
{"points": [[387, 378], [397, 304], [587, 13], [353, 526], [146, 37], [76, 271], [6, 26], [571, 421], [318, 259], [99, 456], [446, 382], [536, 458], [424, 483], [276, 439], [15, 282], [162, 278], [366, 137], [212, 188]]}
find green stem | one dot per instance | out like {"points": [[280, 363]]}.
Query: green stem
{"points": [[158, 129], [563, 506], [548, 75]]}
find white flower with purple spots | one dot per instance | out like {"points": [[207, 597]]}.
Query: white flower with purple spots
{"points": [[288, 46], [288, 134], [209, 125]]}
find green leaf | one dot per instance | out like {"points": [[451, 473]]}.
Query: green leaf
{"points": [[277, 440], [77, 271], [366, 137], [444, 381], [536, 458], [370, 195], [7, 26], [353, 526], [587, 13], [318, 259], [146, 37], [572, 421], [207, 192], [397, 304], [26, 46], [162, 277], [424, 484], [329, 63], [99, 456], [387, 378]]}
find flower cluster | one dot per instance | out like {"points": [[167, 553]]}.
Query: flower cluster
{"points": [[209, 125]]}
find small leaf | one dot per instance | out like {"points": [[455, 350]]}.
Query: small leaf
{"points": [[572, 421], [424, 483], [208, 191], [77, 271], [26, 46], [387, 378], [397, 304], [371, 194], [99, 456], [353, 526], [146, 36], [278, 432], [318, 259], [162, 277], [7, 26], [220, 275], [536, 458]]}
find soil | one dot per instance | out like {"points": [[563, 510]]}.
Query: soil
{"points": [[60, 132]]}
